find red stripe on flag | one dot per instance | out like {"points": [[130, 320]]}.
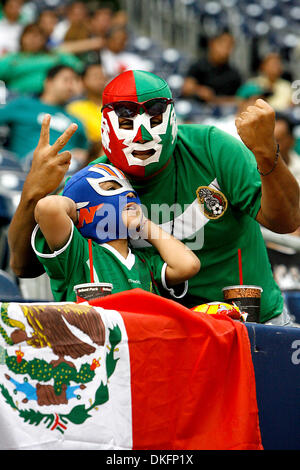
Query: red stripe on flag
{"points": [[192, 377]]}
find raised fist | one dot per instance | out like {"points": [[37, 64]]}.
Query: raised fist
{"points": [[255, 127]]}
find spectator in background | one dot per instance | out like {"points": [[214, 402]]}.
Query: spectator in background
{"points": [[101, 21], [86, 38], [88, 108], [78, 22], [115, 58], [212, 79], [87, 41], [75, 22], [270, 76], [10, 26], [25, 71], [47, 21], [284, 134], [120, 18], [24, 116]]}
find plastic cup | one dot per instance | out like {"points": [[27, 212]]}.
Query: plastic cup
{"points": [[247, 298], [92, 290]]}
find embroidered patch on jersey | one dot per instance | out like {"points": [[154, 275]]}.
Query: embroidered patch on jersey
{"points": [[213, 203]]}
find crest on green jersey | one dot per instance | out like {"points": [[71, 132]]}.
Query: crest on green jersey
{"points": [[213, 203]]}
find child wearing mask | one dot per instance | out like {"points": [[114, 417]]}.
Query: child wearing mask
{"points": [[99, 204]]}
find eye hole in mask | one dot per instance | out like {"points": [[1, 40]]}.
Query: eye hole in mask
{"points": [[156, 120], [109, 185], [112, 186], [125, 123]]}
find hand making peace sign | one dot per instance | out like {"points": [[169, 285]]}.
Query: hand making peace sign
{"points": [[48, 165]]}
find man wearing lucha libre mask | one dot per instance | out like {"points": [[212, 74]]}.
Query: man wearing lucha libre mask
{"points": [[200, 184]]}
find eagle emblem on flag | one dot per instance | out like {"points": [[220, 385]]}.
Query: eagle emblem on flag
{"points": [[51, 362]]}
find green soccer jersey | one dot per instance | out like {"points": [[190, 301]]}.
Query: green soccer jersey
{"points": [[70, 266], [213, 186]]}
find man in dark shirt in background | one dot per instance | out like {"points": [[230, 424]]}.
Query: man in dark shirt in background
{"points": [[212, 79]]}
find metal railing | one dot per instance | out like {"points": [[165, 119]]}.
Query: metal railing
{"points": [[169, 23]]}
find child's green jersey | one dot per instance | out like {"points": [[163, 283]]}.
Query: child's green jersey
{"points": [[70, 266]]}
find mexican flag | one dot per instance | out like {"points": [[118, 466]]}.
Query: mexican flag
{"points": [[134, 371]]}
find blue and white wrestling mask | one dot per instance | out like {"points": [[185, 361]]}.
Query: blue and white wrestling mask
{"points": [[99, 209]]}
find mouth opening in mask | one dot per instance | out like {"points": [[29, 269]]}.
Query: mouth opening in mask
{"points": [[143, 154]]}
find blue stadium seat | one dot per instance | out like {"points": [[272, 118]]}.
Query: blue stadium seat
{"points": [[142, 45], [175, 82], [6, 210], [292, 298], [11, 181], [11, 184], [9, 290], [4, 248], [9, 161]]}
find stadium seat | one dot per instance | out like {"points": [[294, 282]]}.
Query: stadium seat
{"points": [[292, 298], [175, 82], [11, 181], [142, 45], [6, 210], [9, 290], [4, 248], [11, 184], [9, 161]]}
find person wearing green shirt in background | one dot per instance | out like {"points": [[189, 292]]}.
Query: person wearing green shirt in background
{"points": [[24, 116], [214, 189], [24, 72]]}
